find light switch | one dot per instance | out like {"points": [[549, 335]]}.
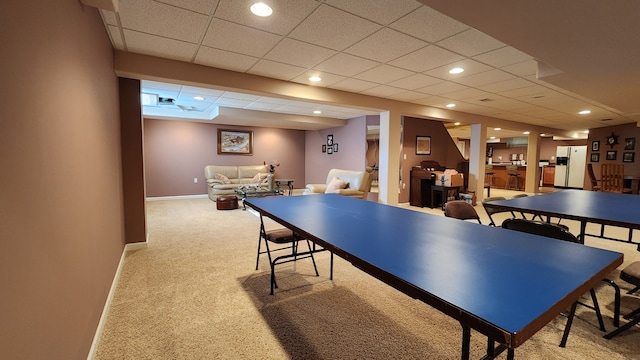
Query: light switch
{"points": [[195, 180]]}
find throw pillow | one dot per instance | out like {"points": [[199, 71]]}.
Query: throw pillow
{"points": [[336, 184], [259, 178], [224, 179]]}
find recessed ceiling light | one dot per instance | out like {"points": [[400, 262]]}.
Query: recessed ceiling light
{"points": [[452, 105], [585, 132], [497, 129], [526, 133], [492, 137], [456, 123], [315, 78], [543, 134], [261, 9], [456, 70], [199, 98], [317, 112], [585, 112]]}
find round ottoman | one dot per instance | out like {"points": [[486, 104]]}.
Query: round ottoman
{"points": [[227, 202]]}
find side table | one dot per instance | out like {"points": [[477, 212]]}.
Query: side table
{"points": [[282, 182], [444, 192]]}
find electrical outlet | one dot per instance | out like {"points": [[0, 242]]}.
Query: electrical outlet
{"points": [[404, 185], [195, 180]]}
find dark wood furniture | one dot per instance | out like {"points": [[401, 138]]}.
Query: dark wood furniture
{"points": [[443, 194], [420, 187]]}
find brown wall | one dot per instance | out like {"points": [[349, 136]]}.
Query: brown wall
{"points": [[60, 189], [628, 131], [176, 152], [443, 149]]}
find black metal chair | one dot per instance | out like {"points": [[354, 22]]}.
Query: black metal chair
{"points": [[631, 275], [556, 231], [460, 209], [491, 211], [284, 239]]}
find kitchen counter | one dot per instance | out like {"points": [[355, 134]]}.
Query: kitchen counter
{"points": [[500, 175]]}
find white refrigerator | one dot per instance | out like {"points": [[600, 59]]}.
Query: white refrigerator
{"points": [[570, 165]]}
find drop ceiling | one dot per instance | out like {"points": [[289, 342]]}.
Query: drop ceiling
{"points": [[395, 49]]}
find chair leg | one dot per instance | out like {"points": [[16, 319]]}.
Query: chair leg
{"points": [[626, 326], [616, 301]]}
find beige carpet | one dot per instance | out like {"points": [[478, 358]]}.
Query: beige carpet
{"points": [[193, 293]]}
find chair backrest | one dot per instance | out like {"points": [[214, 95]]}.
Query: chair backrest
{"points": [[539, 228], [460, 209], [612, 177], [592, 177]]}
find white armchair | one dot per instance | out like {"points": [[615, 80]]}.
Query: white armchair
{"points": [[358, 184]]}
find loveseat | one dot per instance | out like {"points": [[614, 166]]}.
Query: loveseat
{"points": [[225, 179], [355, 184]]}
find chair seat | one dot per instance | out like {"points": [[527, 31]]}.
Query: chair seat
{"points": [[631, 274], [281, 236]]}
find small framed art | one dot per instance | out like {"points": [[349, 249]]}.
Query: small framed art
{"points": [[595, 146], [423, 145], [612, 154], [628, 157], [595, 157], [629, 143]]}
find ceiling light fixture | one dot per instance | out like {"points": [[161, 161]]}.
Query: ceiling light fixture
{"points": [[526, 133], [199, 98], [452, 105], [585, 112], [261, 9], [315, 78], [456, 123], [317, 112], [456, 70], [543, 134], [497, 129]]}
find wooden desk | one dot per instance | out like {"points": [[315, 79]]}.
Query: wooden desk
{"points": [[444, 192], [420, 187]]}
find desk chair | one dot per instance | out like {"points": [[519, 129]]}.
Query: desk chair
{"points": [[631, 275], [612, 178], [460, 209], [558, 232], [284, 239], [592, 177], [513, 177]]}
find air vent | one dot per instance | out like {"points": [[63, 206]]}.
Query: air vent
{"points": [[166, 101], [603, 120], [486, 100]]}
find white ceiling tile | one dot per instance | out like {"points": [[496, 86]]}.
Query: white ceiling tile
{"points": [[201, 6], [333, 28], [381, 11], [383, 91], [353, 85], [327, 79], [287, 14], [276, 70], [525, 68], [159, 46], [240, 96], [429, 25], [233, 102], [225, 35], [407, 96], [470, 43], [207, 93], [385, 45], [346, 65], [152, 17], [430, 100], [415, 81], [441, 88], [224, 59], [383, 74], [504, 56], [467, 93], [428, 57], [507, 85], [295, 52], [483, 78], [470, 67]]}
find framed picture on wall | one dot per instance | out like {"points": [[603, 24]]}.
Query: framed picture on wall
{"points": [[235, 142], [595, 157], [595, 146], [612, 154], [628, 157], [324, 148], [629, 143], [335, 148], [423, 145]]}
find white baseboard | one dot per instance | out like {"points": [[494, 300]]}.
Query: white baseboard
{"points": [[107, 304], [178, 197]]}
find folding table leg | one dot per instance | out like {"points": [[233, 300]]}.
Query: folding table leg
{"points": [[567, 327]]}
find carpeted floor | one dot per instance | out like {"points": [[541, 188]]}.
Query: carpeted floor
{"points": [[194, 293]]}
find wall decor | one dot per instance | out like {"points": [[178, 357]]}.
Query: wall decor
{"points": [[423, 145], [595, 146], [330, 150], [629, 143], [612, 154], [324, 148], [335, 147], [595, 157], [235, 142], [612, 140], [628, 157], [329, 140]]}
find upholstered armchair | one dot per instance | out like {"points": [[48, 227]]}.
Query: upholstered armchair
{"points": [[344, 182]]}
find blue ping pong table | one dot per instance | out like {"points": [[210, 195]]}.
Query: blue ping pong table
{"points": [[604, 208], [481, 276]]}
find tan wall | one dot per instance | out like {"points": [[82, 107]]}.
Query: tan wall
{"points": [[60, 189]]}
